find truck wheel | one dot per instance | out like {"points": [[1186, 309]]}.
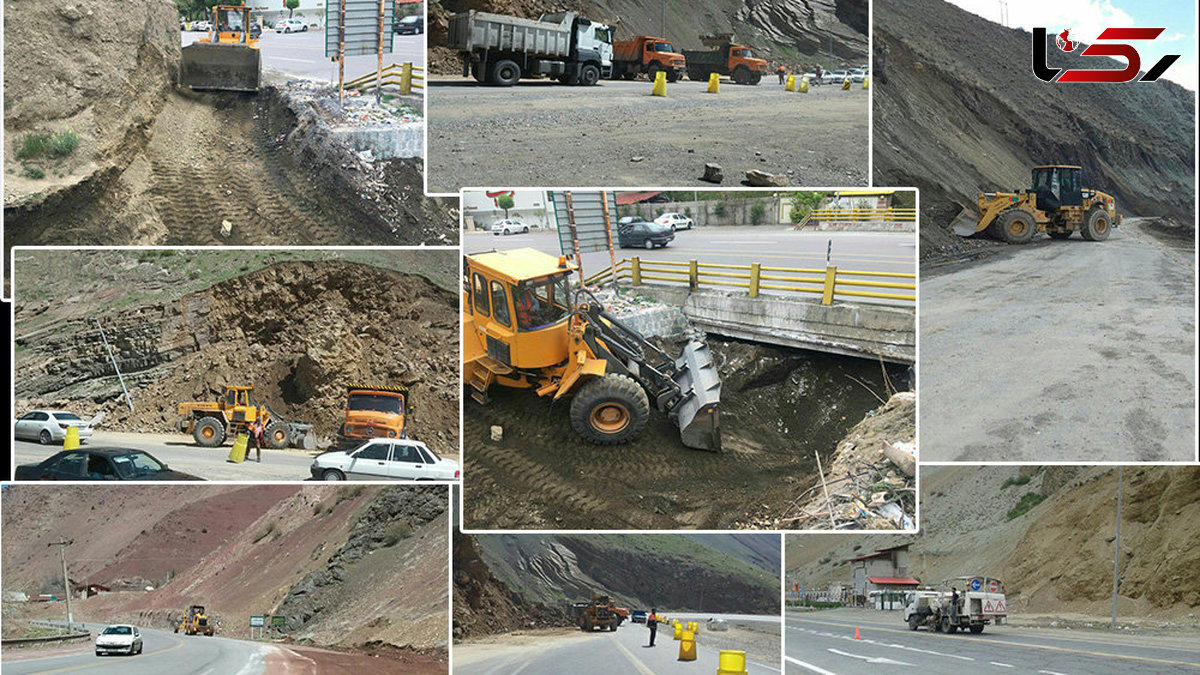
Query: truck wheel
{"points": [[914, 622], [755, 78], [589, 75], [477, 72], [1016, 226], [629, 75], [653, 69], [738, 75], [976, 628], [1096, 225], [942, 625], [610, 410], [209, 432], [277, 435], [505, 73], [673, 76]]}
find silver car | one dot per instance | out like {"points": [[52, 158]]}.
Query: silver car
{"points": [[120, 638], [50, 426], [382, 459]]}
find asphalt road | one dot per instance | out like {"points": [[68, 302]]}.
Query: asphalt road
{"points": [[823, 643], [772, 245], [180, 453], [163, 652], [303, 54], [600, 653], [1062, 351]]}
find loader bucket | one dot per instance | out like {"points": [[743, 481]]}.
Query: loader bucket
{"points": [[231, 67], [965, 224], [698, 415]]}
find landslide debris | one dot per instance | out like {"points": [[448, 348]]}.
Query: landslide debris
{"points": [[958, 111], [484, 605], [300, 332]]}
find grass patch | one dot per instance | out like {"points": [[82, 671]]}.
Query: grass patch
{"points": [[1030, 500], [1015, 480], [45, 144], [270, 530], [348, 492], [33, 172], [63, 144]]}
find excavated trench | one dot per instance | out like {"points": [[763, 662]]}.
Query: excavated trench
{"points": [[779, 406], [299, 332]]}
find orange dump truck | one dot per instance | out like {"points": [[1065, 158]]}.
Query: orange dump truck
{"points": [[724, 57], [649, 55], [373, 412]]}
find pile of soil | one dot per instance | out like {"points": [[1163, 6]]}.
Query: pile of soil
{"points": [[958, 111], [778, 407], [484, 605], [299, 332]]}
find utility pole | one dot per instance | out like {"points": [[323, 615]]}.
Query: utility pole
{"points": [[62, 554], [1117, 554], [116, 368]]}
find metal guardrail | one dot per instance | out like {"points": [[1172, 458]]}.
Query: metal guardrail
{"points": [[404, 76], [49, 638], [829, 283], [865, 215]]}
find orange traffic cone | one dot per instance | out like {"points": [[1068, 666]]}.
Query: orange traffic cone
{"points": [[856, 636]]}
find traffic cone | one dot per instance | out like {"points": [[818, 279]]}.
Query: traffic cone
{"points": [[791, 83], [660, 84], [71, 441], [803, 88], [856, 635], [714, 83]]}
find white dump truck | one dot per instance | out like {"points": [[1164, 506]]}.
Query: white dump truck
{"points": [[980, 602], [499, 49]]}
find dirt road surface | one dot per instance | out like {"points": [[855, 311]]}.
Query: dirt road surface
{"points": [[546, 134], [823, 642], [1062, 351]]}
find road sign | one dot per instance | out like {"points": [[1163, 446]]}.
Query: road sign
{"points": [[588, 211], [258, 621], [994, 586], [278, 621], [976, 584], [362, 27]]}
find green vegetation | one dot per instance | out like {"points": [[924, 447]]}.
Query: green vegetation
{"points": [[37, 144], [1030, 500], [803, 204], [756, 213], [32, 172], [270, 530], [505, 202], [1015, 480]]}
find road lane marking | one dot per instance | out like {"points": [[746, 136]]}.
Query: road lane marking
{"points": [[91, 664], [881, 644], [642, 668], [883, 660], [1002, 665], [1050, 672], [809, 666]]}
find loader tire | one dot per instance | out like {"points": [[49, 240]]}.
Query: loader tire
{"points": [[277, 435], [610, 410], [1016, 226], [209, 432], [1096, 225]]}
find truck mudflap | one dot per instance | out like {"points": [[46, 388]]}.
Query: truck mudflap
{"points": [[698, 414], [230, 67]]}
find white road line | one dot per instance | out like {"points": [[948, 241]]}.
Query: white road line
{"points": [[284, 58], [883, 660], [756, 664], [523, 667], [1002, 665], [1050, 672], [809, 666]]}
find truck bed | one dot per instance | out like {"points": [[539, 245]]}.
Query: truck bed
{"points": [[471, 31]]}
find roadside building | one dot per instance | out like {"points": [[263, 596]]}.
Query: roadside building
{"points": [[881, 577]]}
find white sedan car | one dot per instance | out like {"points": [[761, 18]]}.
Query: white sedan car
{"points": [[835, 76], [384, 458], [291, 26], [50, 426], [507, 227], [119, 638], [675, 221]]}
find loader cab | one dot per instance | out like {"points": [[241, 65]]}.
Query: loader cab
{"points": [[237, 397], [519, 302], [231, 25], [1057, 186]]}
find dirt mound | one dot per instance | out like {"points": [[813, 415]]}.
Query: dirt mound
{"points": [[99, 69], [484, 605], [958, 111], [299, 332]]}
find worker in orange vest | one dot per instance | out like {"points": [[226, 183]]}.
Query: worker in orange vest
{"points": [[652, 624], [255, 433]]}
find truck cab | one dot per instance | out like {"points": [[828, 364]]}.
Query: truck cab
{"points": [[374, 412], [981, 602], [647, 54]]}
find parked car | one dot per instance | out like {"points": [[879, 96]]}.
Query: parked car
{"points": [[291, 26], [100, 464], [50, 426], [394, 458], [119, 638], [676, 221], [834, 76], [629, 220], [641, 233], [857, 75], [203, 26], [637, 616], [411, 25], [507, 227]]}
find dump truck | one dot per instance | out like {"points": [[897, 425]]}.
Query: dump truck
{"points": [[1055, 204], [227, 58], [724, 57], [196, 622], [500, 50], [598, 614], [211, 422], [525, 326], [373, 411], [649, 55], [980, 602]]}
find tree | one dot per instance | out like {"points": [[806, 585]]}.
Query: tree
{"points": [[757, 211], [291, 6], [503, 201], [803, 204]]}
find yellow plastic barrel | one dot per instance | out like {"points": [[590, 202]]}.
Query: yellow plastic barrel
{"points": [[687, 647], [237, 454], [71, 441], [803, 85], [678, 631], [791, 83], [714, 83], [865, 80], [660, 84], [731, 662], [846, 84]]}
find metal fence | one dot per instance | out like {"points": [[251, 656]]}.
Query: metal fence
{"points": [[853, 215], [403, 76], [829, 283]]}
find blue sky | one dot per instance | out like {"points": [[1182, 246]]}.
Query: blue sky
{"points": [[1086, 18]]}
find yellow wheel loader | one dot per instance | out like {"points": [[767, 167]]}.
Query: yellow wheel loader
{"points": [[211, 422], [196, 622], [228, 58], [1056, 205], [524, 326]]}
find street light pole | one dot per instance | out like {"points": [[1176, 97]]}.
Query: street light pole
{"points": [[62, 554], [1117, 554]]}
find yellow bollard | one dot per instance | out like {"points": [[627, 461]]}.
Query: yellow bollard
{"points": [[865, 80], [791, 83], [803, 85], [71, 440], [406, 78], [732, 662], [846, 84], [714, 83], [660, 84], [238, 454], [678, 631], [687, 647]]}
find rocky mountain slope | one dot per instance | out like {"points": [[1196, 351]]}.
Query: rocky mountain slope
{"points": [[958, 111], [1048, 533]]}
